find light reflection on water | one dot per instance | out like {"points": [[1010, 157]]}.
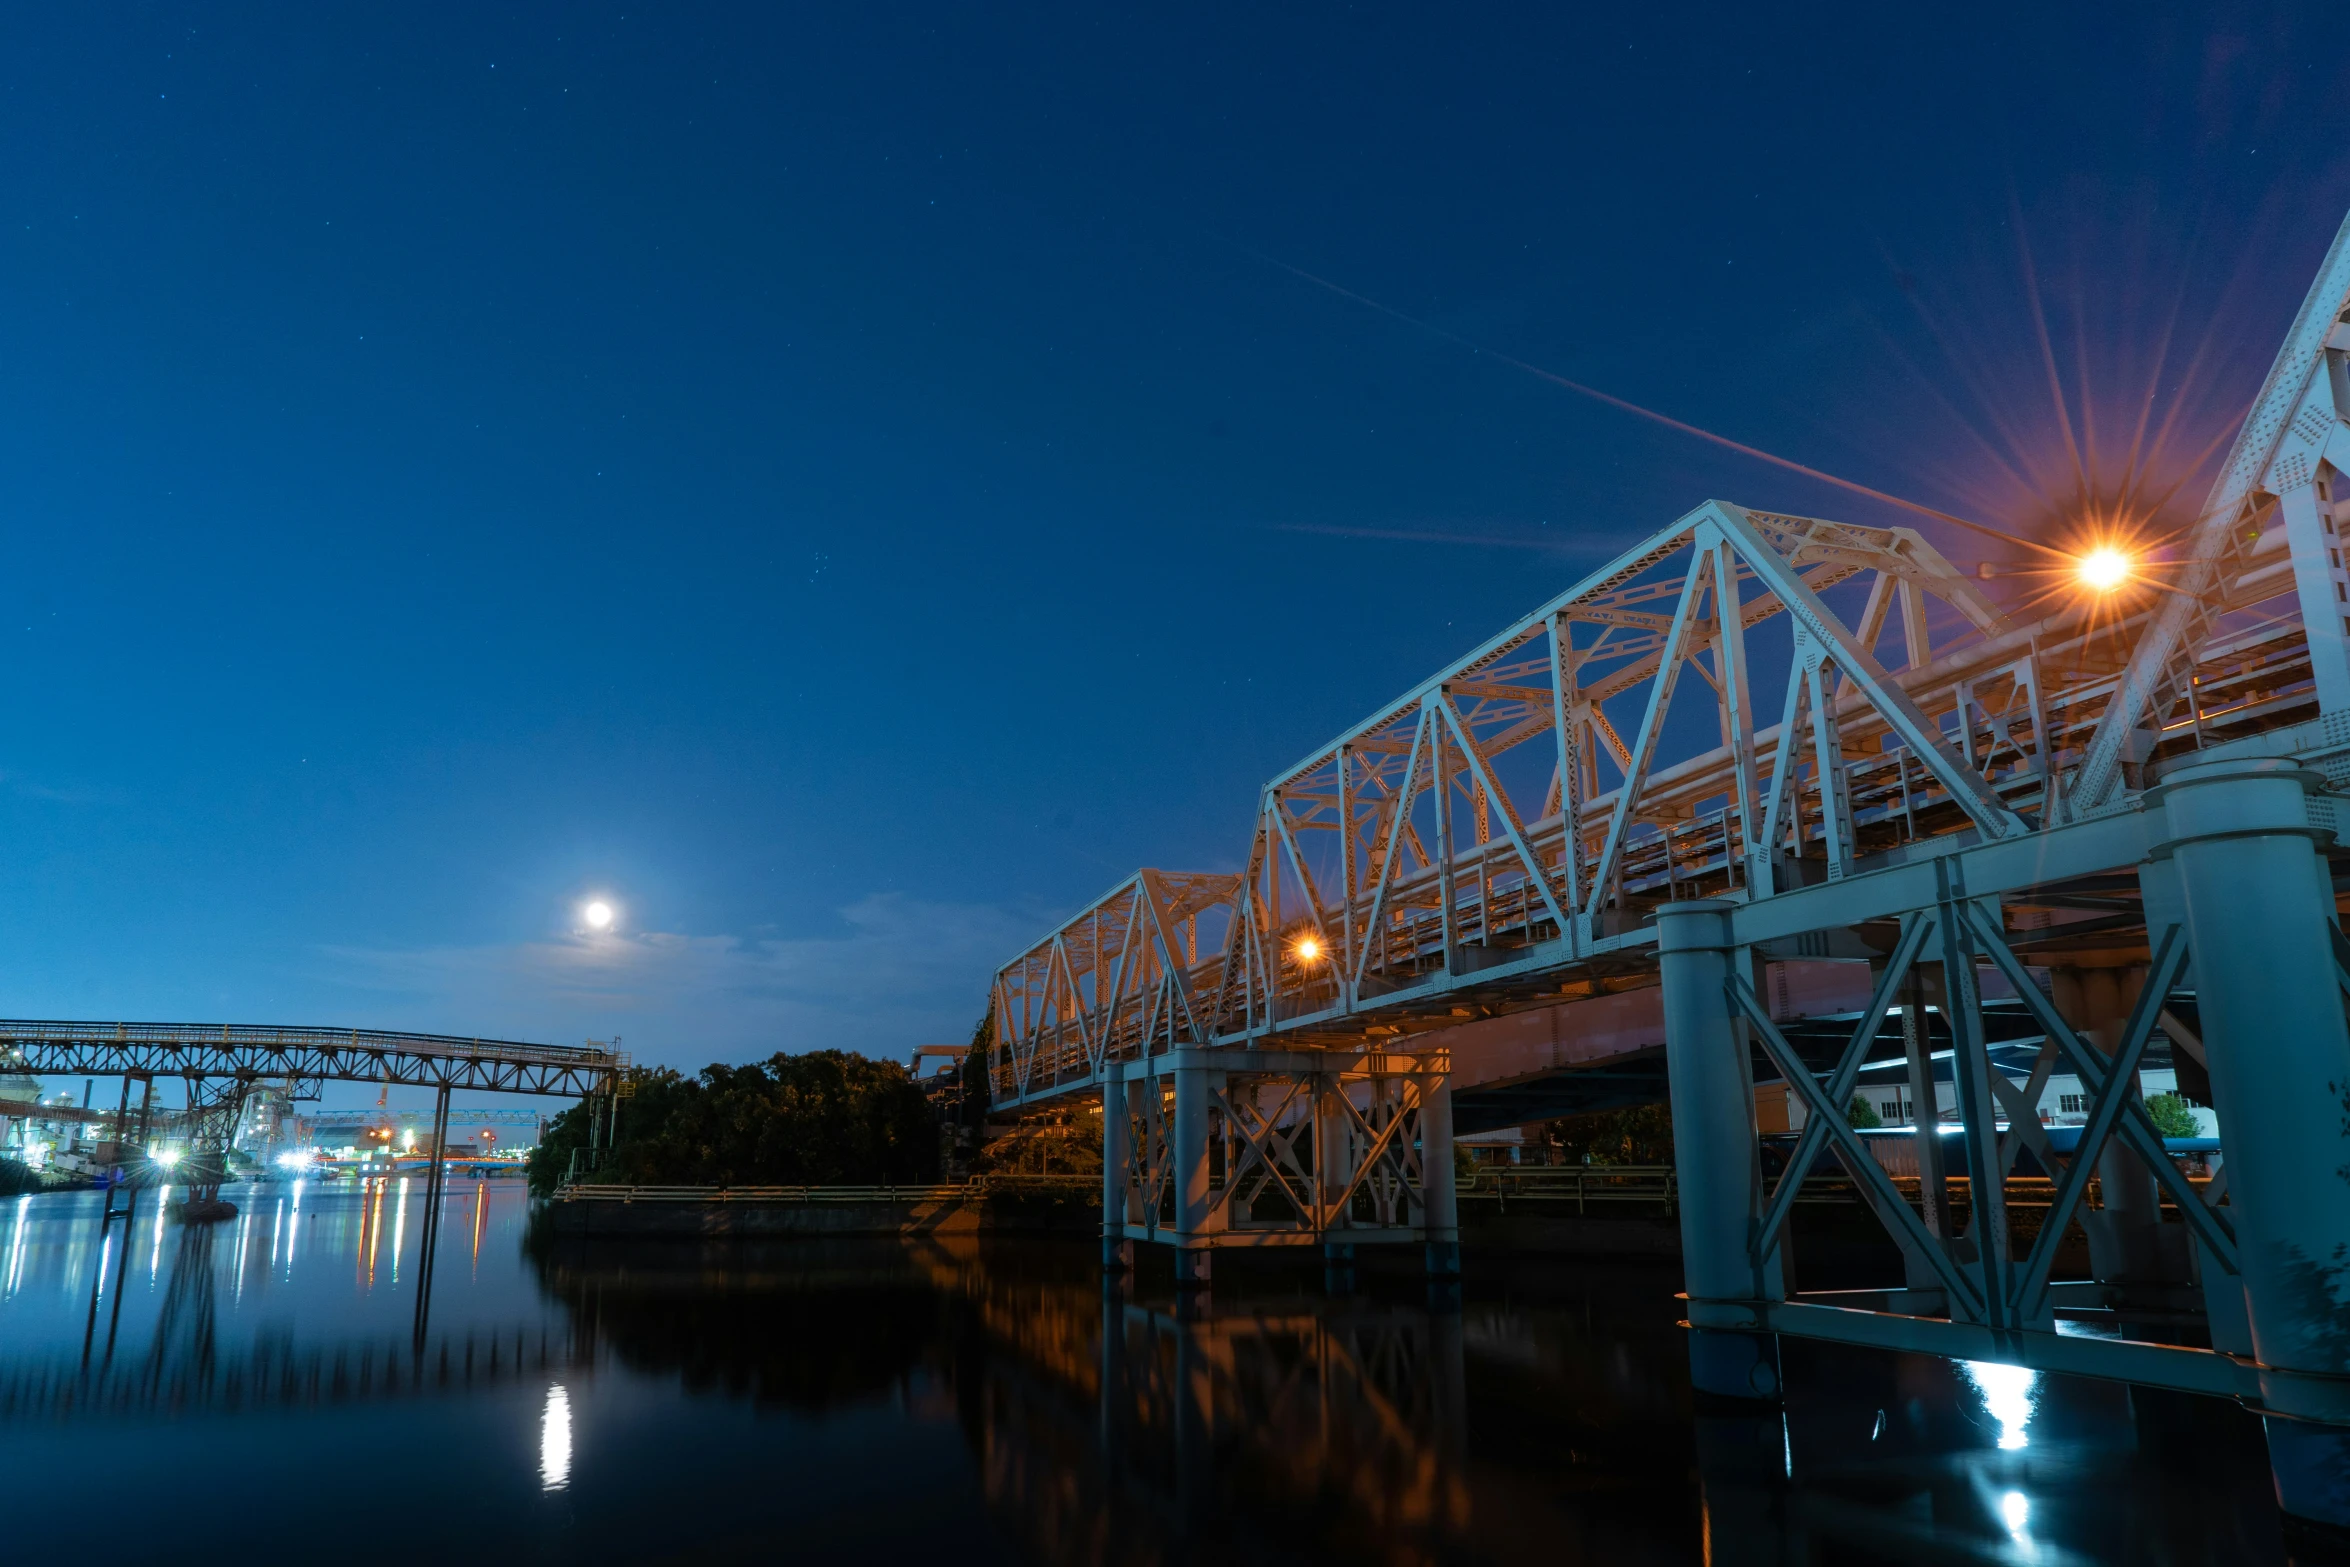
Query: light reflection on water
{"points": [[555, 1440], [946, 1401], [2008, 1395]]}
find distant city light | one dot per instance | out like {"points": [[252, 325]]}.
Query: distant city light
{"points": [[167, 1157], [296, 1159], [599, 915], [2103, 569]]}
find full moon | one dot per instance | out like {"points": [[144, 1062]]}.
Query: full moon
{"points": [[599, 915]]}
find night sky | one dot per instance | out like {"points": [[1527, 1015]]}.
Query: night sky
{"points": [[850, 483]]}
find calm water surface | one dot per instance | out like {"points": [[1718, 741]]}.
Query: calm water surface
{"points": [[255, 1388]]}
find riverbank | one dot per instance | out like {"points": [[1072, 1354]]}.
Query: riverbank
{"points": [[1833, 1241], [1044, 1206]]}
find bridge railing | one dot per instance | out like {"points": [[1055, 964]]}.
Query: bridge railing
{"points": [[1584, 1185]]}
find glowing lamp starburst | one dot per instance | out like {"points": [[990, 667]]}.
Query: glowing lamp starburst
{"points": [[2103, 569], [1308, 950]]}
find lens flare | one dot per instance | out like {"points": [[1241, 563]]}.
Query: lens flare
{"points": [[1308, 949], [2103, 569]]}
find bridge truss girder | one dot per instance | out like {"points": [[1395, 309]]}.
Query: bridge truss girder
{"points": [[1422, 867], [200, 1052]]}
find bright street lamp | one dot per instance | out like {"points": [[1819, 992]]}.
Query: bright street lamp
{"points": [[2103, 569]]}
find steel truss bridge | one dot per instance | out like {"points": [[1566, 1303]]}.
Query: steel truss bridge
{"points": [[220, 1063], [356, 1055], [1755, 739]]}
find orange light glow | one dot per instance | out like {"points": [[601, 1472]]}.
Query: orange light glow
{"points": [[1308, 950], [2103, 569]]}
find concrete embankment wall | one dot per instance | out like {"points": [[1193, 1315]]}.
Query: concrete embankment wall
{"points": [[951, 1216], [1483, 1226], [1832, 1245]]}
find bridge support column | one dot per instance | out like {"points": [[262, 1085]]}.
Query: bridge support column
{"points": [[1334, 1175], [1716, 1155], [2224, 1315], [429, 1242], [1338, 1267], [1188, 1151], [2259, 914], [1117, 1174], [2128, 1244], [1440, 1203]]}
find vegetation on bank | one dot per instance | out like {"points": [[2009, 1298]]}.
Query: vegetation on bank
{"points": [[826, 1118], [2171, 1116], [1641, 1135]]}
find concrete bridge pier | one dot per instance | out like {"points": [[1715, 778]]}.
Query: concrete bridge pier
{"points": [[2127, 1243], [1719, 1157], [2258, 902], [2129, 1246], [1338, 1267], [1334, 1173], [1117, 1161], [1195, 1086], [1439, 1197]]}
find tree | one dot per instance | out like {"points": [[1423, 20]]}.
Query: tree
{"points": [[1861, 1113], [977, 1074], [2171, 1116], [827, 1117], [1643, 1135]]}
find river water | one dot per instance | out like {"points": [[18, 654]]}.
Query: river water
{"points": [[254, 1389]]}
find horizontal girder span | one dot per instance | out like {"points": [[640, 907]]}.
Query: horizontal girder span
{"points": [[204, 1050]]}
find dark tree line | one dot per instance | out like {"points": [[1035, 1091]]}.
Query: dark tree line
{"points": [[1642, 1134], [826, 1118]]}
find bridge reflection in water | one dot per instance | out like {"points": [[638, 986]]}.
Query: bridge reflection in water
{"points": [[1549, 1415], [181, 1361], [1557, 1422], [1350, 1421]]}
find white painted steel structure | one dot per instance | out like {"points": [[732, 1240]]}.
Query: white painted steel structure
{"points": [[1761, 735]]}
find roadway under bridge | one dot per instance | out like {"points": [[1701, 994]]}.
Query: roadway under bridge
{"points": [[1605, 854]]}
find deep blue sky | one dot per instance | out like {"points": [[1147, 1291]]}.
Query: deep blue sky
{"points": [[848, 483]]}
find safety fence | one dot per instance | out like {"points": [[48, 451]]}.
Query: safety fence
{"points": [[1657, 1186]]}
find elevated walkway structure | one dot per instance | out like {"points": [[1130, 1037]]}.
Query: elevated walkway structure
{"points": [[358, 1055], [1757, 737], [220, 1062]]}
